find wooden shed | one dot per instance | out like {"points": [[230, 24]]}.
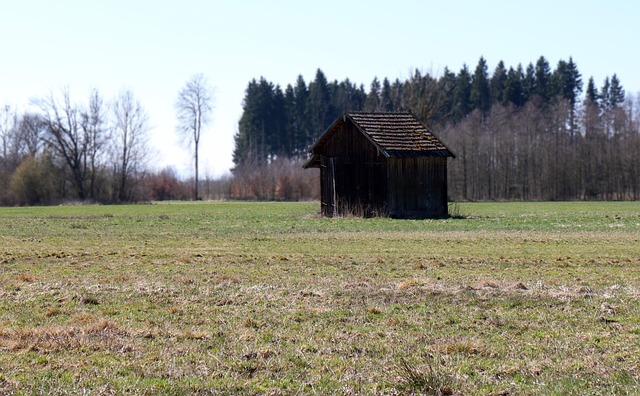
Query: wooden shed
{"points": [[381, 164]]}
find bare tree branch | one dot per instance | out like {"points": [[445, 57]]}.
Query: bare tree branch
{"points": [[194, 108], [76, 135], [130, 141]]}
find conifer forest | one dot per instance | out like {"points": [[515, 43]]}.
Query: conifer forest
{"points": [[518, 132]]}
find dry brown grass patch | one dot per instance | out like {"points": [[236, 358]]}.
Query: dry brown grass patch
{"points": [[120, 278], [26, 278], [53, 311], [83, 318], [98, 335], [375, 310], [410, 283], [461, 346], [192, 335], [228, 279]]}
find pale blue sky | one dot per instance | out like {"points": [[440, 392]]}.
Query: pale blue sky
{"points": [[153, 47]]}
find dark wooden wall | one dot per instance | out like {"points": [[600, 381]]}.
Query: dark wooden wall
{"points": [[360, 175], [417, 187], [357, 179]]}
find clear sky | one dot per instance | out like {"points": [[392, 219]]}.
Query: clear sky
{"points": [[153, 47]]}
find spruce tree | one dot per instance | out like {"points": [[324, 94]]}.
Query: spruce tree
{"points": [[616, 92], [575, 78], [262, 129], [278, 132], [480, 90], [543, 81], [386, 100], [319, 108], [372, 102], [243, 139], [514, 89], [340, 95], [292, 131], [568, 85], [397, 95], [591, 94], [498, 83], [462, 94], [446, 92], [528, 82], [300, 119], [567, 81]]}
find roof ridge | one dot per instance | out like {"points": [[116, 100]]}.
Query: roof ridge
{"points": [[398, 133], [407, 112]]}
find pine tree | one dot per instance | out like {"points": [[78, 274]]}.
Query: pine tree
{"points": [[446, 91], [591, 94], [372, 102], [529, 82], [243, 149], [414, 95], [616, 92], [514, 89], [262, 129], [568, 85], [386, 100], [319, 108], [567, 81], [357, 96], [543, 81], [292, 133], [278, 132], [341, 95], [462, 94], [299, 119], [397, 95], [480, 90], [498, 83]]}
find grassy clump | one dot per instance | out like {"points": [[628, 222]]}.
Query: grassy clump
{"points": [[535, 298]]}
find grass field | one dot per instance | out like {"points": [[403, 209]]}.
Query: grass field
{"points": [[269, 298]]}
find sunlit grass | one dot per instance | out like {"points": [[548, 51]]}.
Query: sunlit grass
{"points": [[224, 297]]}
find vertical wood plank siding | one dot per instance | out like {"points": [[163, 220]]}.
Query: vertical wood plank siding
{"points": [[358, 176], [417, 187]]}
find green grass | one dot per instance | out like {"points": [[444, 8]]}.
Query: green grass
{"points": [[269, 298]]}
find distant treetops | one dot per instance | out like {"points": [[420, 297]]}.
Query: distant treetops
{"points": [[284, 123]]}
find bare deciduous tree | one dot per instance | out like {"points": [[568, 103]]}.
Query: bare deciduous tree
{"points": [[7, 126], [30, 130], [130, 142], [95, 136], [76, 135], [7, 132], [194, 107]]}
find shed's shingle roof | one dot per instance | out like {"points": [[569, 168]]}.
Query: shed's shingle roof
{"points": [[394, 134]]}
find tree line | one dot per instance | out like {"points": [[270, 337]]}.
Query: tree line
{"points": [[64, 149], [94, 150], [518, 132]]}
